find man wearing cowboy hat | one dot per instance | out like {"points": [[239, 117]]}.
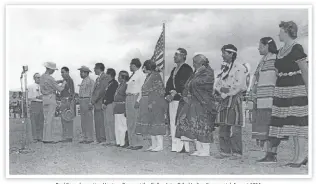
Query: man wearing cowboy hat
{"points": [[85, 93], [67, 106], [48, 87]]}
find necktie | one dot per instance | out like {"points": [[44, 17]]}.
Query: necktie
{"points": [[131, 76]]}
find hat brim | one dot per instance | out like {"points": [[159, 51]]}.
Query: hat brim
{"points": [[84, 70], [51, 68]]}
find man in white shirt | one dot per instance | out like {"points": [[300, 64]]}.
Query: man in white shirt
{"points": [[36, 109], [133, 92]]}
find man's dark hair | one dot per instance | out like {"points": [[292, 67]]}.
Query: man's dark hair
{"points": [[149, 65], [100, 66], [65, 68], [111, 72], [136, 62], [124, 75], [35, 75]]}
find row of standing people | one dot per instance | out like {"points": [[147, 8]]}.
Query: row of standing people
{"points": [[196, 103]]}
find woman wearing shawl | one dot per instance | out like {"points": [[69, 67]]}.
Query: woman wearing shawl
{"points": [[152, 107], [262, 90], [196, 112]]}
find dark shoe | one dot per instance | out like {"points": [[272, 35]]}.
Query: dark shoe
{"points": [[66, 141], [49, 142], [129, 147], [88, 142], [82, 142], [297, 165], [136, 147], [236, 156], [125, 146], [269, 158], [221, 156]]}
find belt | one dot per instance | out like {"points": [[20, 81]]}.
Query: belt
{"points": [[37, 101], [84, 97], [49, 94], [131, 94], [119, 102]]}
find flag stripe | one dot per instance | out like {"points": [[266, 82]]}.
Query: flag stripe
{"points": [[159, 52]]}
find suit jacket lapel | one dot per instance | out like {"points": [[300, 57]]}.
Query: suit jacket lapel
{"points": [[177, 74]]}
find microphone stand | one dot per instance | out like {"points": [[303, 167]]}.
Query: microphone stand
{"points": [[25, 120]]}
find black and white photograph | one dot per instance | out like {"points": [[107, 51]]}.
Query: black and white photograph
{"points": [[157, 90]]}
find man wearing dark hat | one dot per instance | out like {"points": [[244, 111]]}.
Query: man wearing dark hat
{"points": [[174, 88], [48, 87], [67, 103], [85, 93]]}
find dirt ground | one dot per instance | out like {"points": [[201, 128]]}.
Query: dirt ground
{"points": [[81, 159]]}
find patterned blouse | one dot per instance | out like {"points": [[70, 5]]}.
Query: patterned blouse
{"points": [[235, 82], [153, 83]]}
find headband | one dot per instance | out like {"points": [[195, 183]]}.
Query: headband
{"points": [[231, 50], [269, 41], [179, 52]]}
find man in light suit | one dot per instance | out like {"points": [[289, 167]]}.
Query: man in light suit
{"points": [[174, 88], [98, 94]]}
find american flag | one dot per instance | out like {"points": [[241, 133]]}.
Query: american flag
{"points": [[158, 56]]}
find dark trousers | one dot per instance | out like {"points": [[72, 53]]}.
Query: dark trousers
{"points": [[99, 125], [230, 139], [37, 120]]}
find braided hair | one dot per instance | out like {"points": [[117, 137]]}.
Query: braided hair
{"points": [[231, 49]]}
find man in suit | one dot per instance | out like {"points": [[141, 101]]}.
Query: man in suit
{"points": [[108, 107], [174, 88], [97, 99]]}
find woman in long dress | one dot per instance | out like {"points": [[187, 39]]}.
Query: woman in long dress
{"points": [[290, 102], [262, 90], [152, 107], [197, 112]]}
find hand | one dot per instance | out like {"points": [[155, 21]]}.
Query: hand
{"points": [[173, 92], [186, 99], [39, 97], [136, 106], [169, 98], [223, 95], [59, 81], [150, 107], [64, 82], [90, 106], [224, 90], [103, 106]]}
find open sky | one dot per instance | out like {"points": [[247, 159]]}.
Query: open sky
{"points": [[83, 36]]}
